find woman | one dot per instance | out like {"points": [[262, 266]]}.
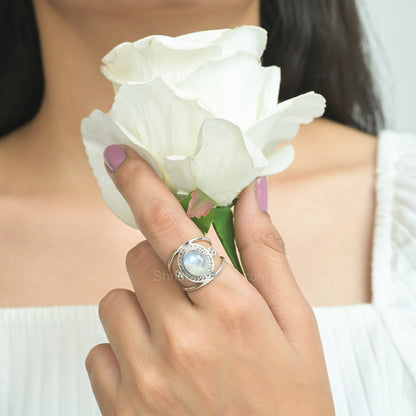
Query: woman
{"points": [[238, 348]]}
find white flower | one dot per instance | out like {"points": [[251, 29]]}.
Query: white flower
{"points": [[201, 110]]}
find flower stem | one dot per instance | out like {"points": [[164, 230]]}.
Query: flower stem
{"points": [[223, 223]]}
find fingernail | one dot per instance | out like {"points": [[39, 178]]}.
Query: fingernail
{"points": [[260, 186], [114, 156]]}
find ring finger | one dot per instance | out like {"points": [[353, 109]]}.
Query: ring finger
{"points": [[157, 291]]}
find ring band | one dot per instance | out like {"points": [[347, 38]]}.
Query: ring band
{"points": [[195, 264]]}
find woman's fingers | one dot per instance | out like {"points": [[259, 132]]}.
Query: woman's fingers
{"points": [[121, 316], [161, 297], [104, 375], [162, 219], [263, 256]]}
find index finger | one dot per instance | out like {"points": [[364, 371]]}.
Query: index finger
{"points": [[158, 213]]}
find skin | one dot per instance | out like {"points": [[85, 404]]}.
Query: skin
{"points": [[334, 272], [61, 245]]}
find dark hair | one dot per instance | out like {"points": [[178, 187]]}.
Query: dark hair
{"points": [[318, 45], [21, 75]]}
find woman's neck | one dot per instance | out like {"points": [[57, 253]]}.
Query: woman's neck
{"points": [[74, 38]]}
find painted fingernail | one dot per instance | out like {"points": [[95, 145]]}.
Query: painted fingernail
{"points": [[114, 156], [260, 186]]}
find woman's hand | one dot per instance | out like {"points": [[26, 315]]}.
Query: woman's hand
{"points": [[229, 348]]}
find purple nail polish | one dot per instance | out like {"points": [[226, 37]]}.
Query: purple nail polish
{"points": [[114, 156], [260, 186]]}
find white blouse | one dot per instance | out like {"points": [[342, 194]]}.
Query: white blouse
{"points": [[370, 349]]}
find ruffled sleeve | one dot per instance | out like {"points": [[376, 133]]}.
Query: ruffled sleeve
{"points": [[394, 256]]}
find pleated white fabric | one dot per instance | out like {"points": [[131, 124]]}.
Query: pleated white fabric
{"points": [[42, 355], [370, 349]]}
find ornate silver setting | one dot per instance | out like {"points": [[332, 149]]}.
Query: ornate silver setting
{"points": [[197, 251], [195, 264]]}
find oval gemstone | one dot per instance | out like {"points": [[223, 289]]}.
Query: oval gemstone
{"points": [[195, 263]]}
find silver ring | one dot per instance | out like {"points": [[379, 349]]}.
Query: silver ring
{"points": [[195, 264]]}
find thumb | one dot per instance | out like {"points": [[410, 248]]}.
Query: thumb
{"points": [[263, 256]]}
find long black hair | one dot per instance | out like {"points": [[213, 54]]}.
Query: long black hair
{"points": [[21, 75], [318, 44]]}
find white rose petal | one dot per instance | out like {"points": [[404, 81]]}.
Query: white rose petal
{"points": [[155, 56], [279, 160], [181, 173], [201, 110], [99, 131], [224, 165], [251, 39], [235, 97], [163, 122], [283, 124]]}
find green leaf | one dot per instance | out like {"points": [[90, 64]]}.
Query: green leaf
{"points": [[223, 223], [204, 223], [185, 202]]}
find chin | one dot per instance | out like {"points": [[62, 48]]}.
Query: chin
{"points": [[129, 7]]}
